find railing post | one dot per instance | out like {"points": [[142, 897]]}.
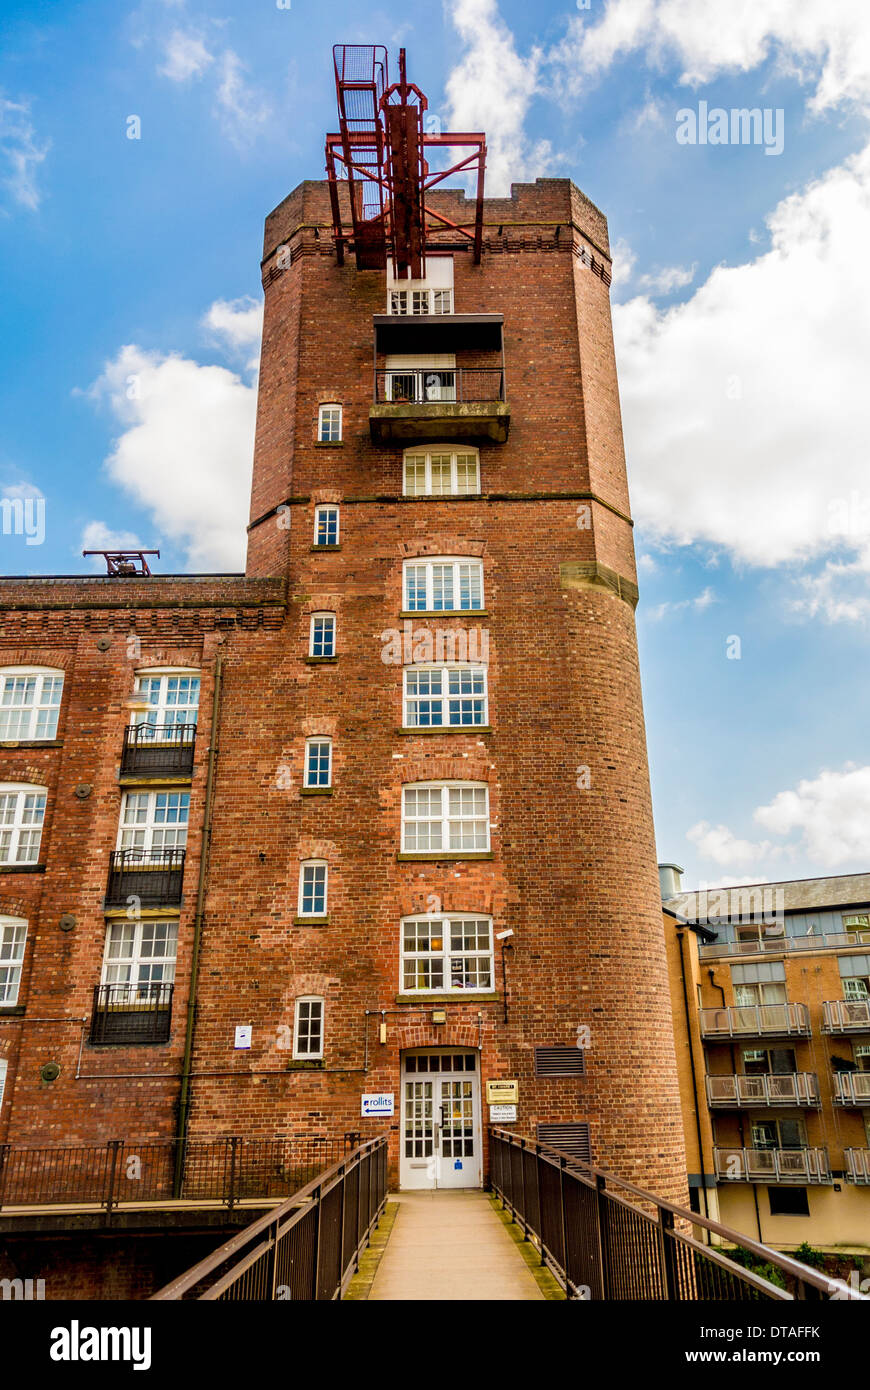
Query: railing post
{"points": [[601, 1233], [317, 1201], [564, 1222], [523, 1188], [114, 1146], [4, 1155], [274, 1278], [666, 1252], [231, 1195]]}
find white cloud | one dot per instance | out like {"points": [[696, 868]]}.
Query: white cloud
{"points": [[237, 325], [826, 45], [720, 844], [491, 89], [674, 277], [624, 261], [241, 110], [185, 450], [186, 56], [21, 153], [699, 604], [746, 408], [98, 536], [830, 815]]}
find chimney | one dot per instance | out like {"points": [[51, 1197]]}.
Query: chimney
{"points": [[670, 880]]}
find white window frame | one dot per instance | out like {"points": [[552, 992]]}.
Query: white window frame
{"points": [[152, 827], [856, 988], [137, 958], [320, 742], [444, 699], [162, 713], [316, 617], [308, 1054], [406, 302], [327, 507], [445, 820], [430, 562], [440, 452], [324, 429], [13, 943], [27, 822], [445, 955], [313, 864], [3, 1069], [41, 676]]}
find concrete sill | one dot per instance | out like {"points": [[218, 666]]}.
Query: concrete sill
{"points": [[447, 996], [449, 729], [315, 791], [9, 743], [319, 548], [445, 856], [304, 1064], [11, 1010], [22, 868], [138, 779], [321, 660], [445, 613], [311, 921], [329, 443]]}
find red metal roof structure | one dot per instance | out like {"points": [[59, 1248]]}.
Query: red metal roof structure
{"points": [[125, 563], [380, 151]]}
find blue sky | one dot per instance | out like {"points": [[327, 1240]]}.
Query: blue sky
{"points": [[131, 299]]}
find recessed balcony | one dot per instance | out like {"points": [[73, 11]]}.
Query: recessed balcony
{"points": [[129, 1014], [803, 1166], [158, 750], [153, 876], [755, 1021], [846, 1016], [439, 403], [857, 1165], [768, 1089], [851, 1087]]}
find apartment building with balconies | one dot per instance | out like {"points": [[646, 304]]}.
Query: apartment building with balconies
{"points": [[771, 995]]}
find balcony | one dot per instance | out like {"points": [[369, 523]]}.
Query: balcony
{"points": [[851, 1087], [846, 1016], [129, 1014], [755, 1021], [158, 750], [153, 876], [781, 945], [803, 1166], [770, 1089], [439, 403], [857, 1165]]}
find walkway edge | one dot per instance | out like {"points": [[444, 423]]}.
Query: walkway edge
{"points": [[360, 1285], [546, 1282]]}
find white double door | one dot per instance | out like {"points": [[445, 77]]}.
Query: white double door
{"points": [[441, 1139]]}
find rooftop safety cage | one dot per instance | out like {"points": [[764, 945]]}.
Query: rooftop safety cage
{"points": [[125, 563]]}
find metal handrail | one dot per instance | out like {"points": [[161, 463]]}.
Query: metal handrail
{"points": [[764, 1088], [438, 385], [783, 944], [656, 1266], [755, 1020]]}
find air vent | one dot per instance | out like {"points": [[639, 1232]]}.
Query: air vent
{"points": [[570, 1139], [559, 1061]]}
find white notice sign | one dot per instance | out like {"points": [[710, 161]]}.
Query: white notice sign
{"points": [[499, 1113], [382, 1103]]}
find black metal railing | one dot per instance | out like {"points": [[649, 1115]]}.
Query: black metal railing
{"points": [[130, 1013], [306, 1249], [131, 1171], [604, 1238], [153, 876], [157, 750], [438, 385]]}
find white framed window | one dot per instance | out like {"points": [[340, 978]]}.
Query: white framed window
{"points": [[152, 822], [13, 936], [318, 762], [22, 812], [855, 987], [432, 295], [172, 698], [140, 954], [29, 702], [329, 424], [764, 992], [418, 378], [447, 954], [443, 585], [313, 876], [308, 1027], [3, 1066], [441, 471], [326, 525], [321, 640], [446, 697], [452, 816]]}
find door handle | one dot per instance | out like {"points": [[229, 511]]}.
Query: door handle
{"points": [[443, 1107]]}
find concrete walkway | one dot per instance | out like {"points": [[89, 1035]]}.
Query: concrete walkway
{"points": [[450, 1245]]}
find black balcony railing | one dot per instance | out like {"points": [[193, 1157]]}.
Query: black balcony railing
{"points": [[604, 1238], [153, 876], [156, 750], [439, 385], [131, 1013]]}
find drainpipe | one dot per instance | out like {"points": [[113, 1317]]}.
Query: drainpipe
{"points": [[184, 1098], [739, 1112], [680, 935]]}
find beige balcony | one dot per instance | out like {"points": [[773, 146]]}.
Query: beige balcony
{"points": [[846, 1016], [755, 1021], [851, 1087], [803, 1166], [769, 1089], [857, 1166]]}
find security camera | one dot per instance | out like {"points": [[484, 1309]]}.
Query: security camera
{"points": [[500, 935]]}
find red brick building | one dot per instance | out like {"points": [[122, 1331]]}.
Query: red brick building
{"points": [[418, 728]]}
